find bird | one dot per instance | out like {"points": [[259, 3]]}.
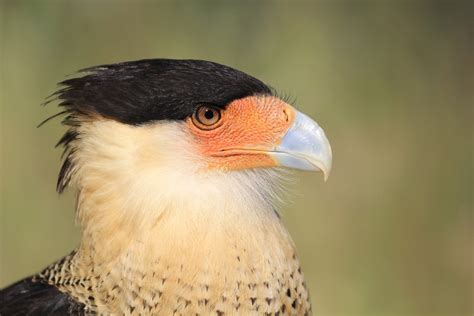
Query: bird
{"points": [[180, 167]]}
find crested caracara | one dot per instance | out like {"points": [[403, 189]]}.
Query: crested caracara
{"points": [[178, 165]]}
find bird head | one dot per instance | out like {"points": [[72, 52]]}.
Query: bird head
{"points": [[167, 129]]}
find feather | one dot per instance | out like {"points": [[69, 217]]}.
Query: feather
{"points": [[30, 297]]}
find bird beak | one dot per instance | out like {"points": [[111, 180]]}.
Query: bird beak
{"points": [[304, 147]]}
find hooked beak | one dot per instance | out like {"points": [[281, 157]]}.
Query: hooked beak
{"points": [[304, 147]]}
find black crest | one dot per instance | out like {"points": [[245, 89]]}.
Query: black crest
{"points": [[137, 92], [143, 91]]}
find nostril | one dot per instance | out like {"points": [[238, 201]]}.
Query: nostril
{"points": [[287, 117]]}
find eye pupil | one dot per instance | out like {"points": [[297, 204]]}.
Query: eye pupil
{"points": [[209, 114], [206, 117]]}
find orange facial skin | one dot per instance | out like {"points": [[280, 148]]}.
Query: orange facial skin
{"points": [[247, 130]]}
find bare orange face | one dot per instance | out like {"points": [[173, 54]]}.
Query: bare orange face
{"points": [[239, 136]]}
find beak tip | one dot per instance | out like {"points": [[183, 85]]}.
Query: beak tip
{"points": [[325, 168], [326, 175]]}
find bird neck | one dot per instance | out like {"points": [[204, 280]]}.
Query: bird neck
{"points": [[195, 230], [201, 255], [165, 212]]}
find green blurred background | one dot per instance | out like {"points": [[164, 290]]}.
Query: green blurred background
{"points": [[390, 233]]}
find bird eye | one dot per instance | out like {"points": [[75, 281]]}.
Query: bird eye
{"points": [[206, 117]]}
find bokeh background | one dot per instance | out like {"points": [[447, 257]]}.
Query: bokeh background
{"points": [[390, 233]]}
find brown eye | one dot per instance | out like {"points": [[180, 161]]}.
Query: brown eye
{"points": [[206, 117]]}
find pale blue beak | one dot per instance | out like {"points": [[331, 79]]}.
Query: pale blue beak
{"points": [[304, 147]]}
